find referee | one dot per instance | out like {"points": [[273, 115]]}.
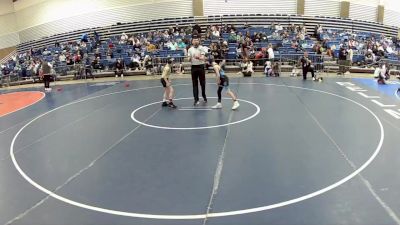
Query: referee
{"points": [[197, 58]]}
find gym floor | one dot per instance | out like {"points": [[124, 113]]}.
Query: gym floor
{"points": [[295, 152]]}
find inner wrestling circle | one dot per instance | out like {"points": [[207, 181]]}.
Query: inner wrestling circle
{"points": [[135, 112]]}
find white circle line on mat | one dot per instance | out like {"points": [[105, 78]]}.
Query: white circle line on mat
{"points": [[194, 128], [201, 216]]}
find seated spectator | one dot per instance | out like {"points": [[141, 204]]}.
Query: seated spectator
{"points": [[110, 54], [278, 27], [197, 28], [148, 65], [239, 38], [188, 30], [182, 46], [77, 58], [276, 69], [247, 67], [172, 45], [124, 38], [370, 57], [260, 56], [232, 37], [252, 53], [85, 37], [257, 37], [275, 36], [151, 47], [97, 53], [301, 36], [70, 60], [215, 32], [224, 49], [239, 52], [97, 64], [330, 53], [268, 69], [136, 64], [110, 44], [46, 52], [62, 58], [382, 73]]}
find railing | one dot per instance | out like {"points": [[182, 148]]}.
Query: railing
{"points": [[286, 63]]}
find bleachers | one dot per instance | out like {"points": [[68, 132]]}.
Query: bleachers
{"points": [[237, 20]]}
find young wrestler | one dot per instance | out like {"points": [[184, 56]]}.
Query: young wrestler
{"points": [[223, 82], [166, 82]]}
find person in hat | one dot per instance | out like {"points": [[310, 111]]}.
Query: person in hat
{"points": [[196, 55], [166, 83]]}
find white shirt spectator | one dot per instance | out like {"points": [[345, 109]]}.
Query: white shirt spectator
{"points": [[62, 58], [271, 54], [279, 27], [172, 46], [302, 36], [136, 58], [247, 67], [389, 50], [350, 55], [124, 37], [215, 33]]}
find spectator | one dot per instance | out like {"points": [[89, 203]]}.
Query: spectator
{"points": [[151, 47], [119, 68], [88, 68], [382, 73], [189, 30], [271, 55], [45, 71], [197, 28], [182, 46], [215, 32], [97, 65], [172, 45], [307, 66], [268, 69], [342, 61], [148, 65], [62, 57], [85, 37], [349, 62], [247, 67], [278, 27], [136, 63]]}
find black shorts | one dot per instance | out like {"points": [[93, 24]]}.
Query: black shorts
{"points": [[224, 81], [164, 84]]}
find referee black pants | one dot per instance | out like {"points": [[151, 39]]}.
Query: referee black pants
{"points": [[199, 74]]}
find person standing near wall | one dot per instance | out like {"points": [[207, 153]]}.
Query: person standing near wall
{"points": [[342, 60], [197, 58], [45, 71]]}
